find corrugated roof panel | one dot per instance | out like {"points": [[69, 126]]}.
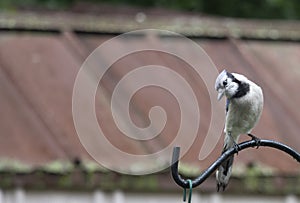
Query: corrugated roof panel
{"points": [[43, 72], [24, 135]]}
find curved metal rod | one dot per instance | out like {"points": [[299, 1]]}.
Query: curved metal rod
{"points": [[244, 145]]}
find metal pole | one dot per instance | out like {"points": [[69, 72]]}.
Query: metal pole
{"points": [[244, 145]]}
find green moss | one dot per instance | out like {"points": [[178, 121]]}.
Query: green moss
{"points": [[107, 182], [268, 185], [257, 178], [14, 166], [58, 167], [92, 167], [146, 183], [189, 170], [298, 185], [125, 182], [292, 185], [6, 181], [41, 183], [65, 181], [89, 177]]}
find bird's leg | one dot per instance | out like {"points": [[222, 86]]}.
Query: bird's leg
{"points": [[256, 139], [235, 145]]}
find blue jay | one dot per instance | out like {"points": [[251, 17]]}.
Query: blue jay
{"points": [[244, 104]]}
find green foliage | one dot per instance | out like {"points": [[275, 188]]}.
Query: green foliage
{"points": [[254, 9], [268, 9], [48, 4]]}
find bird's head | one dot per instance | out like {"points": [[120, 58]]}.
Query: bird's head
{"points": [[228, 84]]}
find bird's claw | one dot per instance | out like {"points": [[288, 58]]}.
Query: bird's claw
{"points": [[256, 139], [236, 148]]}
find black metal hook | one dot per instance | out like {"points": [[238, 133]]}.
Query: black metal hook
{"points": [[244, 145]]}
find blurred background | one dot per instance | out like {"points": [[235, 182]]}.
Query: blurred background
{"points": [[43, 44], [268, 9]]}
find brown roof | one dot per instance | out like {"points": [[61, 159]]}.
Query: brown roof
{"points": [[38, 71]]}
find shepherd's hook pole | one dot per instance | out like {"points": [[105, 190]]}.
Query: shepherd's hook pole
{"points": [[184, 183]]}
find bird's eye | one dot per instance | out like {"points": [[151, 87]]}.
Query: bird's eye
{"points": [[224, 83]]}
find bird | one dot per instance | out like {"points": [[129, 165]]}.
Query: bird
{"points": [[244, 104]]}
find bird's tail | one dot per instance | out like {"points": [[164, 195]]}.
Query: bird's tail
{"points": [[224, 171]]}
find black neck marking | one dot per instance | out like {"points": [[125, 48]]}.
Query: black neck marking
{"points": [[243, 89]]}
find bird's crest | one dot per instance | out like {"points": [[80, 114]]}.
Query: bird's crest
{"points": [[223, 74]]}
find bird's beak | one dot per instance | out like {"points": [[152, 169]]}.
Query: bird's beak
{"points": [[221, 93]]}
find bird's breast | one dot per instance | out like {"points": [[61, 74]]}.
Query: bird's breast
{"points": [[242, 115]]}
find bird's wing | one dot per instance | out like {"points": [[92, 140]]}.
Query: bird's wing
{"points": [[227, 105]]}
